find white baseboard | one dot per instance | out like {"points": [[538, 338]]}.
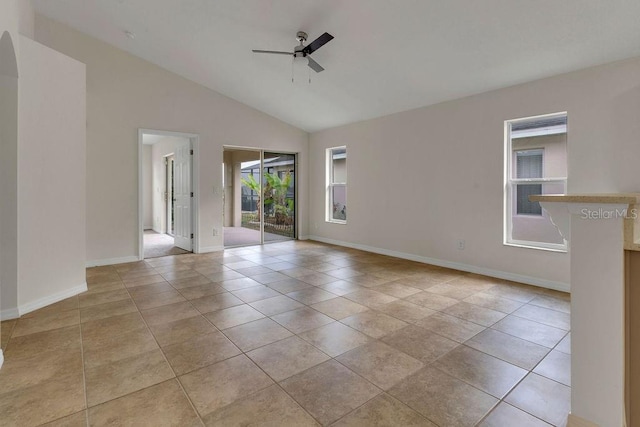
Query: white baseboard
{"points": [[109, 261], [1, 358], [303, 237], [536, 281], [207, 249], [51, 299], [9, 313]]}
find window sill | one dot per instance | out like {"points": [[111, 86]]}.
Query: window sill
{"points": [[559, 248], [336, 221]]}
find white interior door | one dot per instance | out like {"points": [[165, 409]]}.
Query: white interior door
{"points": [[182, 196]]}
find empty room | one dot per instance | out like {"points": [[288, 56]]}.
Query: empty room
{"points": [[319, 213]]}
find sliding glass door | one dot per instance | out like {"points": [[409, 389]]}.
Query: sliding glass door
{"points": [[279, 191]]}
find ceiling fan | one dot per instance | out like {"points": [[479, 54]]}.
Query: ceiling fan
{"points": [[302, 51]]}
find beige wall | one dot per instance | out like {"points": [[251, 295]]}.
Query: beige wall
{"points": [[444, 164], [125, 93], [51, 176]]}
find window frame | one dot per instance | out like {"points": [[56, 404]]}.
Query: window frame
{"points": [[330, 184], [510, 183]]}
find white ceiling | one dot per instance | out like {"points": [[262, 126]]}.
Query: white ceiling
{"points": [[387, 55]]}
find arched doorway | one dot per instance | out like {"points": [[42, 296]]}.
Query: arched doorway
{"points": [[8, 178]]}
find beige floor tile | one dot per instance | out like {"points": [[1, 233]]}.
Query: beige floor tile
{"points": [[36, 368], [104, 311], [276, 305], [451, 327], [224, 275], [512, 292], [311, 295], [234, 316], [169, 313], [181, 330], [397, 290], [150, 279], [516, 351], [146, 302], [556, 366], [6, 329], [452, 290], [288, 357], [66, 339], [256, 334], [118, 347], [113, 380], [269, 407], [443, 399], [543, 398], [494, 302], [181, 275], [335, 338], [216, 302], [104, 287], [302, 319], [289, 285], [199, 351], [254, 271], [506, 415], [79, 419], [374, 324], [200, 291], [482, 371], [339, 308], [43, 402], [431, 300], [45, 322], [341, 287], [379, 363], [221, 384], [552, 303], [255, 293], [369, 297], [161, 404], [297, 272], [420, 343], [565, 345], [329, 391], [383, 411], [145, 290], [317, 279], [476, 314], [190, 282], [404, 310], [98, 330], [87, 300], [556, 319], [530, 331], [239, 283]]}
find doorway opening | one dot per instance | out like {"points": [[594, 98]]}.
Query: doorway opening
{"points": [[167, 205], [259, 196]]}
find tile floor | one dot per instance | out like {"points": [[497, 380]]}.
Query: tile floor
{"points": [[290, 334]]}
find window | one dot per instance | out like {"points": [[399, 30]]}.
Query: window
{"points": [[337, 185], [528, 165], [535, 163]]}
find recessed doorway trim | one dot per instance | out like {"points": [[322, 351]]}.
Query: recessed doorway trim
{"points": [[194, 140]]}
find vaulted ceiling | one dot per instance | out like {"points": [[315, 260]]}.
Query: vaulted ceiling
{"points": [[387, 55]]}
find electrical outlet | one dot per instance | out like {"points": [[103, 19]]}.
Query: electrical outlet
{"points": [[215, 231], [460, 244]]}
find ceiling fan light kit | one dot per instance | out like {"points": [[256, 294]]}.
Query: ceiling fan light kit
{"points": [[303, 52]]}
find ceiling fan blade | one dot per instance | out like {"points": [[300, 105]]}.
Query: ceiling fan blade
{"points": [[317, 43], [314, 65], [277, 52]]}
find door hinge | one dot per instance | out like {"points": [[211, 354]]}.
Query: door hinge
{"points": [[192, 235], [191, 152], [192, 194]]}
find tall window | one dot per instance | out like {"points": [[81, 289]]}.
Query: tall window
{"points": [[535, 163], [337, 185]]}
